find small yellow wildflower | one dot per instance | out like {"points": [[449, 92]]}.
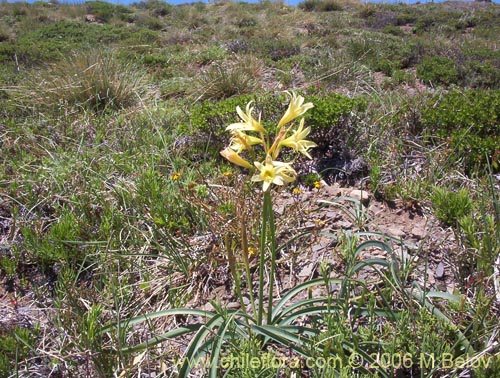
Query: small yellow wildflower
{"points": [[318, 184], [295, 109], [296, 191], [252, 251], [227, 174], [318, 222], [297, 142], [274, 172], [175, 176], [249, 124]]}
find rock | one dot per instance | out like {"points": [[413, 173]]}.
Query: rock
{"points": [[334, 287], [439, 274], [307, 270], [361, 195], [317, 247], [343, 224], [233, 305], [395, 231], [418, 231], [317, 292], [332, 190], [208, 307], [331, 214], [376, 208]]}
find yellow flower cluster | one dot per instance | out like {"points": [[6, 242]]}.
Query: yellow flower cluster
{"points": [[270, 170], [175, 176]]}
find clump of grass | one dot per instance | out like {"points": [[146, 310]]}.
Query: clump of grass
{"points": [[223, 80], [94, 80], [321, 5], [451, 206]]}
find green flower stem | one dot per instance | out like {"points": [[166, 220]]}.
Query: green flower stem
{"points": [[246, 263], [234, 272], [272, 238], [267, 238], [262, 254]]}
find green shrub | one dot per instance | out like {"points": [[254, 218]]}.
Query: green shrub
{"points": [[437, 70], [150, 22], [213, 117], [101, 10], [4, 32], [480, 68], [104, 11], [394, 30], [55, 40], [384, 52], [274, 48], [470, 121], [320, 5], [157, 8], [332, 120]]}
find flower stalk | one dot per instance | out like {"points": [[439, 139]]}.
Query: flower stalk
{"points": [[242, 151]]}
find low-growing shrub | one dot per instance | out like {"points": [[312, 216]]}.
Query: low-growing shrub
{"points": [[480, 68], [275, 49], [470, 121], [320, 5], [437, 70], [384, 52], [56, 40], [332, 120], [101, 10]]}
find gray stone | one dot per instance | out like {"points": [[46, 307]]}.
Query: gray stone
{"points": [[307, 270], [361, 195], [439, 274]]}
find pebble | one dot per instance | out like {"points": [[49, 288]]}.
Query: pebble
{"points": [[361, 195]]}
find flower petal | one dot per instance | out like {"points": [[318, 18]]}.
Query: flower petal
{"points": [[234, 158], [295, 109]]}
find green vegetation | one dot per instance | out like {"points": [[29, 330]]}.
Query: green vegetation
{"points": [[117, 208]]}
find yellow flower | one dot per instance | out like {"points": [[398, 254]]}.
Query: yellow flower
{"points": [[175, 176], [252, 251], [274, 172], [318, 222], [295, 109], [241, 141], [297, 141], [318, 184], [234, 158], [249, 123], [296, 191]]}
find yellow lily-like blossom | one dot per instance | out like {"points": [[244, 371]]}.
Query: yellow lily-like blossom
{"points": [[249, 124], [274, 172], [234, 158], [241, 141], [297, 142], [295, 109]]}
